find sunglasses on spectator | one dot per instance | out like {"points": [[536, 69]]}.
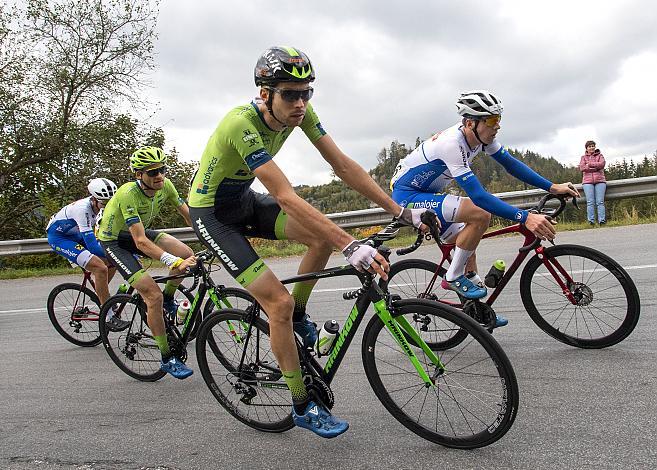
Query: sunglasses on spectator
{"points": [[492, 121], [292, 96], [156, 171]]}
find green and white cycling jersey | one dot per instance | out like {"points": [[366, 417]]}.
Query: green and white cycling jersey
{"points": [[131, 205], [241, 143]]}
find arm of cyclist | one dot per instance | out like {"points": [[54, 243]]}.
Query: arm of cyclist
{"points": [[183, 210], [359, 180], [539, 224], [524, 173], [91, 242], [153, 251], [363, 258], [521, 171]]}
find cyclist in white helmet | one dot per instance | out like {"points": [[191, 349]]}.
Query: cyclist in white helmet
{"points": [[71, 234], [421, 178]]}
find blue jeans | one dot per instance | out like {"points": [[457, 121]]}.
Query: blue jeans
{"points": [[595, 197]]}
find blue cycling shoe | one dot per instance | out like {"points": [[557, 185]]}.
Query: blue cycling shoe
{"points": [[170, 308], [176, 367], [464, 287], [320, 421], [500, 321], [307, 330]]}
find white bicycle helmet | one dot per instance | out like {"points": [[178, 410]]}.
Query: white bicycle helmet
{"points": [[101, 188], [478, 103]]}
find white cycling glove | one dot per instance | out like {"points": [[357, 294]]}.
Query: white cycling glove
{"points": [[359, 255], [411, 216]]}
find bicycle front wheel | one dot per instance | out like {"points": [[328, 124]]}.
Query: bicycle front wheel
{"points": [[603, 307], [73, 311], [473, 399], [132, 349], [241, 371], [415, 279]]}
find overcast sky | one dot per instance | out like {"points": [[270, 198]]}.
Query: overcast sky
{"points": [[566, 71]]}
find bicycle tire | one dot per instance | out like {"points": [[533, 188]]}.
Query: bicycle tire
{"points": [[600, 283], [410, 278], [74, 311], [476, 398], [133, 350], [263, 407]]}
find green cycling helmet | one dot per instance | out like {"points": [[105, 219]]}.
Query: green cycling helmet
{"points": [[147, 156], [283, 64]]}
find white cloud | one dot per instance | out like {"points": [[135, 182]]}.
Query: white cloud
{"points": [[567, 72]]}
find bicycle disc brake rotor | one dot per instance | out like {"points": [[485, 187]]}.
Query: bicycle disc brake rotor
{"points": [[481, 312], [582, 293], [318, 388]]}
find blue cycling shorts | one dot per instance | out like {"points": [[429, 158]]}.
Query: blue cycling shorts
{"points": [[446, 207], [70, 246]]}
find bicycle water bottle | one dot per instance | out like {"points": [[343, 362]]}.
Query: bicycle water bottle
{"points": [[496, 272], [183, 310], [327, 336], [123, 288]]}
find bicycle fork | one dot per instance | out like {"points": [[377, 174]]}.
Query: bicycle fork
{"points": [[395, 327]]}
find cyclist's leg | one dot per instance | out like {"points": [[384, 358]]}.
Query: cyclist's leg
{"points": [[462, 222], [98, 268], [177, 248], [273, 223], [228, 242]]}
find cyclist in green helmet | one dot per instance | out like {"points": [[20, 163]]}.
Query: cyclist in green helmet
{"points": [[124, 231], [224, 210]]}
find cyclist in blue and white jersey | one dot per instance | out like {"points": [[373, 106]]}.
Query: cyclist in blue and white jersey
{"points": [[71, 234], [421, 178]]}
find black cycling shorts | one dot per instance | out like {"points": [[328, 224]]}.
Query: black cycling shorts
{"points": [[121, 253], [224, 230]]}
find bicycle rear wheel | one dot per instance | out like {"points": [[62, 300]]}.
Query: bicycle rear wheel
{"points": [[253, 389], [411, 279], [133, 349], [605, 307], [474, 400], [73, 311]]}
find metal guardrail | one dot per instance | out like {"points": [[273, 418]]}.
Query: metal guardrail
{"points": [[616, 189]]}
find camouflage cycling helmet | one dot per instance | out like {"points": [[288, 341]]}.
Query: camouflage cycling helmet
{"points": [[283, 64], [478, 103], [147, 156]]}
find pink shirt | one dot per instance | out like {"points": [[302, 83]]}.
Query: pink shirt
{"points": [[592, 167]]}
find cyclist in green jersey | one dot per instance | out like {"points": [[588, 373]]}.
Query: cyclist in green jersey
{"points": [[124, 231], [224, 210]]}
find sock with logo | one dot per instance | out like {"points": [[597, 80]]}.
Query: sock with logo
{"points": [[297, 388], [459, 260], [163, 345], [301, 293], [169, 290]]}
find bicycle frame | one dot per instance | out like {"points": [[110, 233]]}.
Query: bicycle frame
{"points": [[530, 243], [364, 297]]}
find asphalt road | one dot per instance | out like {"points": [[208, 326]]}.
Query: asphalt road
{"points": [[65, 407]]}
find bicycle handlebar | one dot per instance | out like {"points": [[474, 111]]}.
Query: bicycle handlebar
{"points": [[563, 200]]}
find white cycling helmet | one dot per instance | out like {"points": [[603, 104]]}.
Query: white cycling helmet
{"points": [[101, 188], [478, 103]]}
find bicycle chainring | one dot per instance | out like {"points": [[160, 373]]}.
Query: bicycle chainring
{"points": [[481, 312], [319, 389]]}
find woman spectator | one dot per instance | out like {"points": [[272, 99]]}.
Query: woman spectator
{"points": [[592, 165]]}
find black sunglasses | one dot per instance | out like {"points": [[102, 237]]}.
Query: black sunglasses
{"points": [[156, 171], [294, 95]]}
